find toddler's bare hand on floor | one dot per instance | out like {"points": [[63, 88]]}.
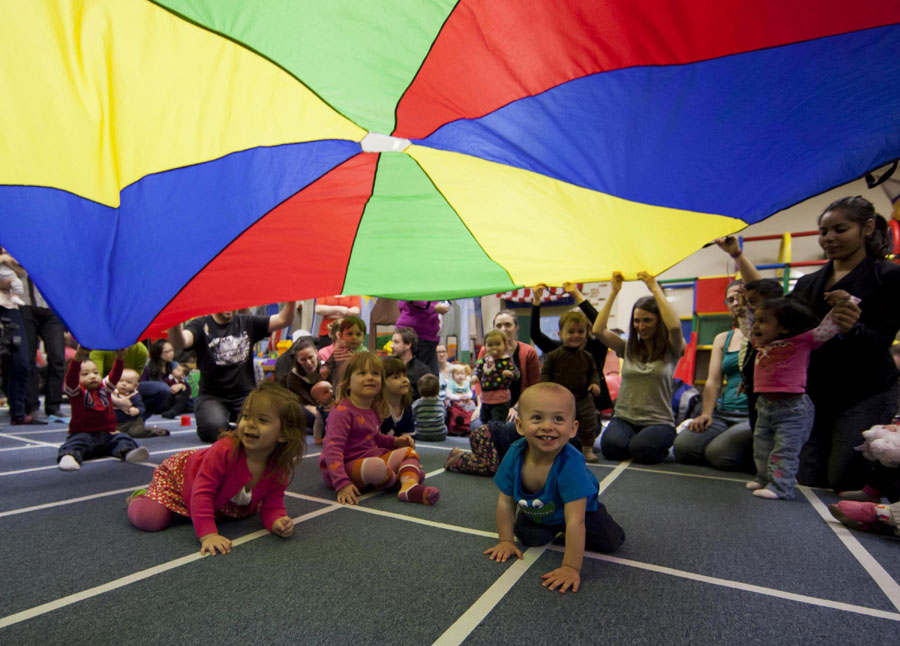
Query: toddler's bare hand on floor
{"points": [[502, 551]]}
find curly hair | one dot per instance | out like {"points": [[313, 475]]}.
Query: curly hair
{"points": [[287, 454]]}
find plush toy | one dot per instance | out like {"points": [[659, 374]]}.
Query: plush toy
{"points": [[883, 444]]}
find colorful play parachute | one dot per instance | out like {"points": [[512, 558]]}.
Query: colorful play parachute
{"points": [[165, 159]]}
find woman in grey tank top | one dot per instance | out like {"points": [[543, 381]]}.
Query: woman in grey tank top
{"points": [[643, 425]]}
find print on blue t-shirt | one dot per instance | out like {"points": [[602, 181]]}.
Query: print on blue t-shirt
{"points": [[569, 479]]}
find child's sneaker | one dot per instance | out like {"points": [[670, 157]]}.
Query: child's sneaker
{"points": [[859, 515], [68, 463], [137, 455]]}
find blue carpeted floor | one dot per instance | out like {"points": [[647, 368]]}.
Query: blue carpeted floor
{"points": [[703, 562]]}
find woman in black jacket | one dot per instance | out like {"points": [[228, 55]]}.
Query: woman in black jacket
{"points": [[852, 379]]}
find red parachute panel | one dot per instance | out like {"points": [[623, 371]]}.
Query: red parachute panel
{"points": [[307, 241], [493, 52]]}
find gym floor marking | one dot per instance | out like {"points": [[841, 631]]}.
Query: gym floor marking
{"points": [[70, 501], [737, 585], [140, 576], [469, 620], [875, 570]]}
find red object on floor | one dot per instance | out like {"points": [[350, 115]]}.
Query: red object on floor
{"points": [[459, 420]]}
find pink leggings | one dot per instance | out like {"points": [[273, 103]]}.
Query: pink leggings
{"points": [[382, 472], [148, 515]]}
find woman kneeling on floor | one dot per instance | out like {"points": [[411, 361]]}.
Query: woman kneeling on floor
{"points": [[643, 426]]}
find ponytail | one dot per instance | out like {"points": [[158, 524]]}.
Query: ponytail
{"points": [[879, 244]]}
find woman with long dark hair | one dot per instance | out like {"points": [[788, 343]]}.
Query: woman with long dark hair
{"points": [[643, 426], [159, 369], [852, 378]]}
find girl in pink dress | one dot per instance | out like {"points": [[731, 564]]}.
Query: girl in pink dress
{"points": [[245, 472], [356, 454]]}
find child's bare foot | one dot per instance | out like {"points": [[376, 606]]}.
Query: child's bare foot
{"points": [[753, 485], [453, 458], [768, 494]]}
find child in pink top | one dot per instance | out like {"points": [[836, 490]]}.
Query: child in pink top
{"points": [[494, 373], [245, 472], [783, 339], [356, 453]]}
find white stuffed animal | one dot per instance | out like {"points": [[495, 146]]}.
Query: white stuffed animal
{"points": [[883, 444]]}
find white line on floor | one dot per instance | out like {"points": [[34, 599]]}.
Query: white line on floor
{"points": [[30, 441], [27, 446], [737, 585], [884, 580], [612, 475], [139, 576], [53, 466], [147, 464], [691, 475], [687, 475], [59, 503], [469, 620], [390, 514], [18, 471], [63, 429]]}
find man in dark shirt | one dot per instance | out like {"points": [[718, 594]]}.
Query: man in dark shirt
{"points": [[403, 346], [224, 346]]}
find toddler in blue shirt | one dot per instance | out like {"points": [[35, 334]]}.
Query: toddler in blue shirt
{"points": [[546, 488]]}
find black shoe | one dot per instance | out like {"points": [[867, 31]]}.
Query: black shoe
{"points": [[168, 415], [157, 431], [52, 412]]}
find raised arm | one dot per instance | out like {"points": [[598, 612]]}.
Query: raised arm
{"points": [[541, 340], [730, 245], [284, 318], [581, 301], [335, 311], [611, 340], [666, 313], [12, 263], [180, 338]]}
